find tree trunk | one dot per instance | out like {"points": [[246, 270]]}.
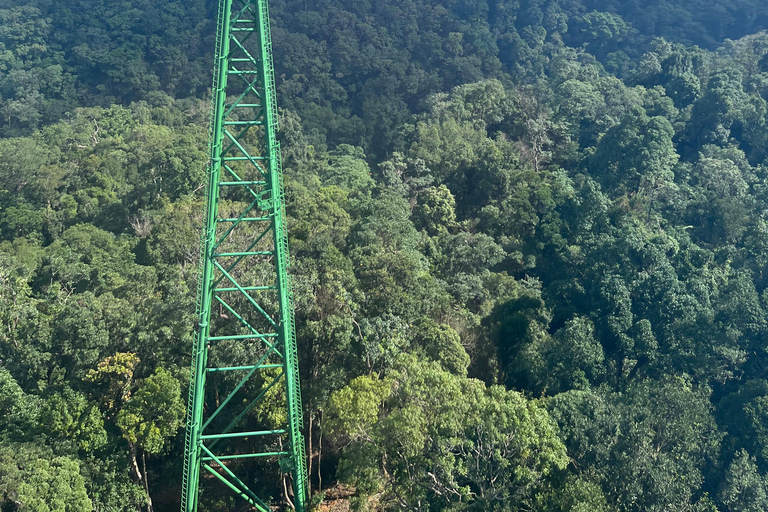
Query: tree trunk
{"points": [[320, 452], [285, 492], [134, 470], [150, 508], [309, 462]]}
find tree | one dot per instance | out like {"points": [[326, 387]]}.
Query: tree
{"points": [[575, 495], [117, 373], [347, 170], [149, 418], [71, 417], [744, 489], [22, 410], [636, 156], [637, 444], [518, 329], [574, 358], [31, 477], [441, 441], [599, 31], [436, 211], [743, 415], [441, 343], [714, 113]]}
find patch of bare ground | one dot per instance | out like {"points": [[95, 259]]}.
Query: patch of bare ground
{"points": [[336, 498]]}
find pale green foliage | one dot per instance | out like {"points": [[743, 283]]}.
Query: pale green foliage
{"points": [[117, 373], [483, 103], [354, 410], [176, 239], [348, 170], [575, 495], [437, 210], [442, 343], [38, 481], [445, 440], [447, 145], [154, 413], [70, 416]]}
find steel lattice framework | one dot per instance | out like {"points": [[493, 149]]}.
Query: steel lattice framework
{"points": [[246, 342]]}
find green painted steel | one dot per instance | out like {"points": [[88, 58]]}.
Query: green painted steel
{"points": [[244, 397]]}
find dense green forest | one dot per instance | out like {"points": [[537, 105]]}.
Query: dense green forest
{"points": [[530, 246]]}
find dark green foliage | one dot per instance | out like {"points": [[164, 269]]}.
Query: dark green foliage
{"points": [[528, 244], [22, 411], [650, 436], [637, 156], [744, 488]]}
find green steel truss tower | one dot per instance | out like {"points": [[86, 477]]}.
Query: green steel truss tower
{"points": [[245, 417]]}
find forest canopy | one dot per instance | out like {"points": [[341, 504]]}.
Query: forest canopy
{"points": [[530, 242]]}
